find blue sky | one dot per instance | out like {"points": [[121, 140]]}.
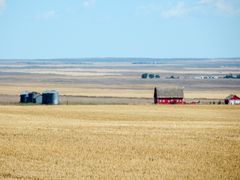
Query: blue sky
{"points": [[126, 28]]}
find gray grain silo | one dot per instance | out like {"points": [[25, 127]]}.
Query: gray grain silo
{"points": [[30, 96], [24, 97], [50, 97], [37, 98]]}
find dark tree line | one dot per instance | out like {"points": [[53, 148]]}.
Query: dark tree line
{"points": [[150, 76]]}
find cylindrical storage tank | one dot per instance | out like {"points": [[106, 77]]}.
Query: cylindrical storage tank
{"points": [[30, 96], [24, 97], [37, 99], [50, 97]]}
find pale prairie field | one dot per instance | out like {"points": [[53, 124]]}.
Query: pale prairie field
{"points": [[119, 142], [91, 90]]}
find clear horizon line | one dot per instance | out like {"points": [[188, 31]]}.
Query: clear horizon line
{"points": [[115, 57]]}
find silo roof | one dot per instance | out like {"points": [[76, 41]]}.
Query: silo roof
{"points": [[24, 93], [50, 91]]}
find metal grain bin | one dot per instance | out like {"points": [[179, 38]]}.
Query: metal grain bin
{"points": [[37, 98], [24, 97], [30, 96], [50, 97]]}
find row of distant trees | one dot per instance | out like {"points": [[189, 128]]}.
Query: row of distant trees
{"points": [[150, 76], [232, 76], [157, 76]]}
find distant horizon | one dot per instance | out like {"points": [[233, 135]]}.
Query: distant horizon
{"points": [[125, 58]]}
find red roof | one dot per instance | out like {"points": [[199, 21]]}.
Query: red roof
{"points": [[232, 97]]}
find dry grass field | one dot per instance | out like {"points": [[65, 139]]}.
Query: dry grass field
{"points": [[119, 78], [119, 142], [108, 91]]}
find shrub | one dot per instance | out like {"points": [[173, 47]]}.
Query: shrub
{"points": [[151, 76], [144, 76], [157, 76], [228, 76]]}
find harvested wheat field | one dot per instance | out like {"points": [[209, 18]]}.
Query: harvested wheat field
{"points": [[119, 142]]}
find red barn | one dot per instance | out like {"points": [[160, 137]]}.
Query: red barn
{"points": [[168, 95], [232, 99]]}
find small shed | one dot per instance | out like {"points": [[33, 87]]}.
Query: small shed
{"points": [[169, 95], [50, 97], [232, 99]]}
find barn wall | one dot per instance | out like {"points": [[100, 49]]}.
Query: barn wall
{"points": [[169, 101]]}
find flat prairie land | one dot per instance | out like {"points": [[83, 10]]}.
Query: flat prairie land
{"points": [[122, 91], [118, 81], [120, 142]]}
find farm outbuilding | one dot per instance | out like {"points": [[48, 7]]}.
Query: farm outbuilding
{"points": [[37, 98], [24, 97], [31, 95], [164, 95], [50, 97], [28, 97], [47, 97], [232, 99]]}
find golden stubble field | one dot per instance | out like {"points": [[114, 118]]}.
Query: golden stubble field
{"points": [[119, 142], [133, 91]]}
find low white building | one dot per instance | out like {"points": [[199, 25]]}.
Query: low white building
{"points": [[232, 100], [207, 77]]}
